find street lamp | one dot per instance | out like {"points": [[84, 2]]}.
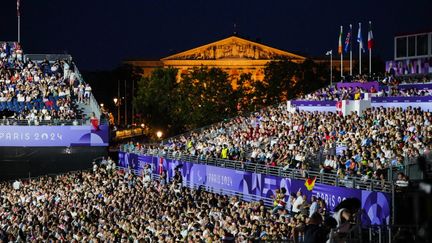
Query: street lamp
{"points": [[159, 134], [330, 53], [117, 103]]}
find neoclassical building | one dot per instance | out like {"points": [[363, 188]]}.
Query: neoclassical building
{"points": [[234, 55]]}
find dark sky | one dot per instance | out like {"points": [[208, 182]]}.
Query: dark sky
{"points": [[101, 33]]}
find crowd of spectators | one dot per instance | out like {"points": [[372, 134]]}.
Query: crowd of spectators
{"points": [[357, 93], [38, 91], [334, 94], [389, 78], [364, 146], [106, 205]]}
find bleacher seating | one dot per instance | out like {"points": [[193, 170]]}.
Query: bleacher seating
{"points": [[38, 91]]}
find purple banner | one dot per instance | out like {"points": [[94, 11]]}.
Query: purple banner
{"points": [[367, 86], [53, 136], [402, 99], [419, 86], [410, 66], [313, 103], [376, 205]]}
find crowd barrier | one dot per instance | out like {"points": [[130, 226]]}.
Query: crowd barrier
{"points": [[54, 136], [263, 182], [53, 122], [352, 85]]}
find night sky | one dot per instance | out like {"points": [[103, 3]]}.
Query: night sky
{"points": [[99, 34]]}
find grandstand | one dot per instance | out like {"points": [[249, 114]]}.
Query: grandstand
{"points": [[42, 88], [365, 149], [49, 118], [329, 162]]}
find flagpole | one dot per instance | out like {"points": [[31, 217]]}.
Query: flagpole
{"points": [[341, 54], [331, 68], [370, 52], [350, 51], [19, 29], [370, 62], [360, 47], [341, 57]]}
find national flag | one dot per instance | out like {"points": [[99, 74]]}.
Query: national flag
{"points": [[359, 38], [310, 183], [370, 37], [161, 165], [18, 8], [340, 41], [348, 40]]}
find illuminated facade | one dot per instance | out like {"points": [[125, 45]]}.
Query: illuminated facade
{"points": [[234, 55]]}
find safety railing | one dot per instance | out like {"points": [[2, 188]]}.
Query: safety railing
{"points": [[49, 57], [94, 105], [241, 196], [53, 122], [324, 178]]}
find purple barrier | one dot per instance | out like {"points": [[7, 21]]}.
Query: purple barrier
{"points": [[376, 205], [53, 136], [416, 86], [313, 103], [400, 99], [410, 66], [366, 86]]}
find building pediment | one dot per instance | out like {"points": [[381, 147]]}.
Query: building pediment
{"points": [[233, 48]]}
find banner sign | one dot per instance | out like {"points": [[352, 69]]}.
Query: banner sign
{"points": [[313, 102], [402, 99], [53, 136], [410, 66], [367, 86], [376, 205]]}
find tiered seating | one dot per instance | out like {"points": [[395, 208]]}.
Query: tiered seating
{"points": [[40, 91], [365, 146]]}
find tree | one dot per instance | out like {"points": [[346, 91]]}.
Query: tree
{"points": [[286, 80], [155, 98], [205, 96]]}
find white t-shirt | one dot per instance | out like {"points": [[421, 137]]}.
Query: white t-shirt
{"points": [[297, 203], [16, 185]]}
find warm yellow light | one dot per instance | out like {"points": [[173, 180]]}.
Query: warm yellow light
{"points": [[115, 100], [159, 134], [142, 125]]}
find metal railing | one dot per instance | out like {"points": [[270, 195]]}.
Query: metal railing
{"points": [[324, 178], [94, 105], [194, 186], [49, 57], [53, 122]]}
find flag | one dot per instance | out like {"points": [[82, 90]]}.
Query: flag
{"points": [[310, 183], [359, 38], [328, 53], [370, 37], [18, 8], [348, 40], [161, 165], [340, 41]]}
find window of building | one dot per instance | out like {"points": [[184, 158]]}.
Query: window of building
{"points": [[411, 46], [401, 50], [422, 45]]}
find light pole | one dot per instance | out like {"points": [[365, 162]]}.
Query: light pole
{"points": [[330, 53], [117, 103], [159, 134]]}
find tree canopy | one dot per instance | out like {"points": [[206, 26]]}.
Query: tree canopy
{"points": [[203, 95]]}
